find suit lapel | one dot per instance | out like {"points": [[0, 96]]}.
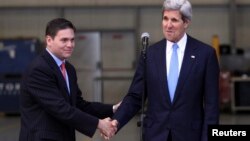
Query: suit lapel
{"points": [[188, 60], [71, 81], [51, 62], [160, 57]]}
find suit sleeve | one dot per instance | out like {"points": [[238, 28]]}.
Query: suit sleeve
{"points": [[211, 96], [131, 103], [43, 87], [96, 109]]}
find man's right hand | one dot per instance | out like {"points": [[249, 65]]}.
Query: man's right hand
{"points": [[107, 127]]}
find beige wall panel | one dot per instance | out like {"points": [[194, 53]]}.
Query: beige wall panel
{"points": [[17, 3], [113, 18], [243, 1], [31, 3], [25, 23], [128, 2], [208, 2], [35, 3], [243, 27], [151, 23], [207, 22]]}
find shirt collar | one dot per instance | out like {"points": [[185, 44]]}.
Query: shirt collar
{"points": [[181, 43], [58, 61]]}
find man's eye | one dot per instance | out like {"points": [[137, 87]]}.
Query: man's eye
{"points": [[175, 20], [64, 40]]}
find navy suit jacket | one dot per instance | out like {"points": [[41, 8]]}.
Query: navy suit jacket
{"points": [[195, 103], [48, 112]]}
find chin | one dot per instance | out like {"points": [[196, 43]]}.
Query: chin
{"points": [[67, 56], [170, 39]]}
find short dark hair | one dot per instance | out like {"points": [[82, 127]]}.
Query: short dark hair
{"points": [[57, 24]]}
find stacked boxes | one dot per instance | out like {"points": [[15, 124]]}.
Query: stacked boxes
{"points": [[15, 56]]}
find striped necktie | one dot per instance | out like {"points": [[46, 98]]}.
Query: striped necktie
{"points": [[63, 70]]}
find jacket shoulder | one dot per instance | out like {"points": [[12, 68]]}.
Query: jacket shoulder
{"points": [[157, 45], [199, 43]]}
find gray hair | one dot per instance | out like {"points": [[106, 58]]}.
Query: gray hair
{"points": [[184, 6]]}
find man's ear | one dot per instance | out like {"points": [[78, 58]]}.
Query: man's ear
{"points": [[48, 39], [186, 23]]}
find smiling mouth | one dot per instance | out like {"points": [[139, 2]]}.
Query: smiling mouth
{"points": [[68, 51], [169, 31]]}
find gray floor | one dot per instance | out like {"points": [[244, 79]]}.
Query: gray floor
{"points": [[9, 127]]}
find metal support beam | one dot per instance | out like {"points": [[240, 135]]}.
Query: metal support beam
{"points": [[232, 23]]}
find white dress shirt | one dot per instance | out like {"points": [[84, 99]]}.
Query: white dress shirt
{"points": [[180, 51], [59, 62]]}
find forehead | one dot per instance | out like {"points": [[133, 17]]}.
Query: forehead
{"points": [[68, 32], [172, 14]]}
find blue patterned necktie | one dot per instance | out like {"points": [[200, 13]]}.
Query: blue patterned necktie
{"points": [[173, 72]]}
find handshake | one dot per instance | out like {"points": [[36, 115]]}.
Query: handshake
{"points": [[107, 127]]}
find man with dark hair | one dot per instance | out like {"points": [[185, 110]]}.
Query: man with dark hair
{"points": [[50, 102]]}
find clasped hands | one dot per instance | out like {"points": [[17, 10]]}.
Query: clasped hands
{"points": [[107, 127]]}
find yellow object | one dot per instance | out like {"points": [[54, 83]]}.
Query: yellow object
{"points": [[216, 44]]}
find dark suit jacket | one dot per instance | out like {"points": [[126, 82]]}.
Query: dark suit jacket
{"points": [[48, 112], [195, 104]]}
